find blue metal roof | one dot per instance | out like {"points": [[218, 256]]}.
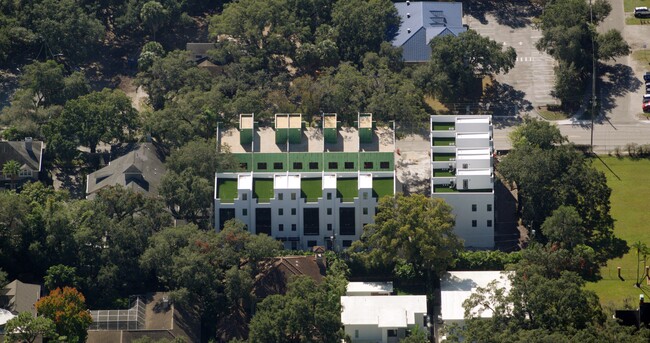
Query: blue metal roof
{"points": [[435, 17]]}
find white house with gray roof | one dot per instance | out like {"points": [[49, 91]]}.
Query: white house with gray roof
{"points": [[423, 21]]}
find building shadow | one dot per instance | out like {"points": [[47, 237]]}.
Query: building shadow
{"points": [[506, 233]]}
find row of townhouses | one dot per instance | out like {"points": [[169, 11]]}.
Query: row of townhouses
{"points": [[319, 186]]}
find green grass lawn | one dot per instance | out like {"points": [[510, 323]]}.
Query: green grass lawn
{"points": [[227, 190], [444, 189], [630, 208], [444, 141], [642, 56], [631, 4], [442, 172], [382, 187], [553, 115], [441, 157], [312, 189], [263, 189], [443, 126], [348, 189]]}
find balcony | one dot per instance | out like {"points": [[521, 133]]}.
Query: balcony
{"points": [[227, 190], [443, 157], [443, 141], [448, 126], [443, 172]]}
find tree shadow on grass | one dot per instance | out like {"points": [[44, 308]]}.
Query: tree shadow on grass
{"points": [[616, 81], [514, 14]]}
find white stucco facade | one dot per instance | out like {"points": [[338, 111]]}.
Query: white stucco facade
{"points": [[463, 174]]}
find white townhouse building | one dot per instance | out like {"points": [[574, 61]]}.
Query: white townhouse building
{"points": [[302, 185], [462, 173]]}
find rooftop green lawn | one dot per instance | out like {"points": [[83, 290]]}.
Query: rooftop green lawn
{"points": [[347, 189], [443, 126], [227, 190], [444, 141], [442, 172], [263, 189], [629, 207], [312, 189], [443, 156], [443, 189], [382, 186]]}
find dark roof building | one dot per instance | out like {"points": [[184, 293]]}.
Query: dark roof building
{"points": [[141, 170], [28, 153], [19, 297], [199, 51], [276, 273], [422, 22]]}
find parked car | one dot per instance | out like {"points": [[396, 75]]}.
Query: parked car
{"points": [[647, 87], [646, 97], [646, 76], [641, 12], [646, 106]]}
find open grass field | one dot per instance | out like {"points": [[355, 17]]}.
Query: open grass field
{"points": [[630, 201], [629, 7]]}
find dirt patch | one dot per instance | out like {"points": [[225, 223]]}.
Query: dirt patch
{"points": [[137, 95]]}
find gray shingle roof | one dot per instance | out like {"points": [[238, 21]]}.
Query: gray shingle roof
{"points": [[29, 156], [140, 170]]}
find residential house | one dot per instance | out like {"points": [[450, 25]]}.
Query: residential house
{"points": [[384, 318], [369, 288], [140, 170], [456, 287], [276, 273], [199, 51], [29, 155], [152, 316], [462, 173], [18, 297], [423, 21], [302, 185]]}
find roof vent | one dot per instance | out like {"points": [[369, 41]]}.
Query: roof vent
{"points": [[408, 3], [408, 30], [408, 15]]}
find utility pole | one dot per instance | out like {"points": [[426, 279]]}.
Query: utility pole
{"points": [[593, 74]]}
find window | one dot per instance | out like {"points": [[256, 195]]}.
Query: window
{"points": [[349, 165], [311, 244], [329, 227], [489, 223], [347, 243], [465, 184], [474, 223], [489, 207], [313, 165], [244, 196], [243, 166], [329, 211], [392, 333], [465, 165], [281, 227], [297, 165], [356, 333], [280, 211], [293, 196], [333, 165], [278, 165], [293, 211], [280, 196], [365, 195], [293, 227], [329, 196], [365, 210], [294, 245], [384, 165], [244, 212], [367, 165], [261, 165], [473, 207]]}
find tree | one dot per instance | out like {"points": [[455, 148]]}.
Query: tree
{"points": [[564, 227], [569, 84], [90, 119], [642, 252], [11, 170], [610, 45], [362, 25], [151, 51], [3, 277], [536, 133], [26, 328], [154, 16], [457, 61], [46, 80], [67, 308], [412, 230], [61, 276]]}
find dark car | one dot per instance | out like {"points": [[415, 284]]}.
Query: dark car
{"points": [[641, 12], [646, 106]]}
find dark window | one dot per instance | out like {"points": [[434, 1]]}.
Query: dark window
{"points": [[489, 207], [333, 165], [329, 227], [261, 165], [277, 165], [384, 165], [280, 211], [311, 221], [280, 196], [465, 184], [311, 244], [244, 212], [347, 220], [329, 196], [313, 165], [329, 211], [244, 196], [367, 165], [294, 245], [473, 207], [225, 214], [347, 243], [297, 165], [392, 333], [243, 166], [281, 227], [349, 165], [365, 210], [293, 211], [293, 227], [489, 223], [474, 223], [263, 221], [293, 196]]}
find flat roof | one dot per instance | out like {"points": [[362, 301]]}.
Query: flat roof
{"points": [[246, 121], [369, 287], [329, 181], [288, 120], [464, 135], [456, 287], [386, 310], [286, 181], [329, 120], [365, 181], [245, 181], [463, 120], [482, 171], [365, 120], [473, 151]]}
